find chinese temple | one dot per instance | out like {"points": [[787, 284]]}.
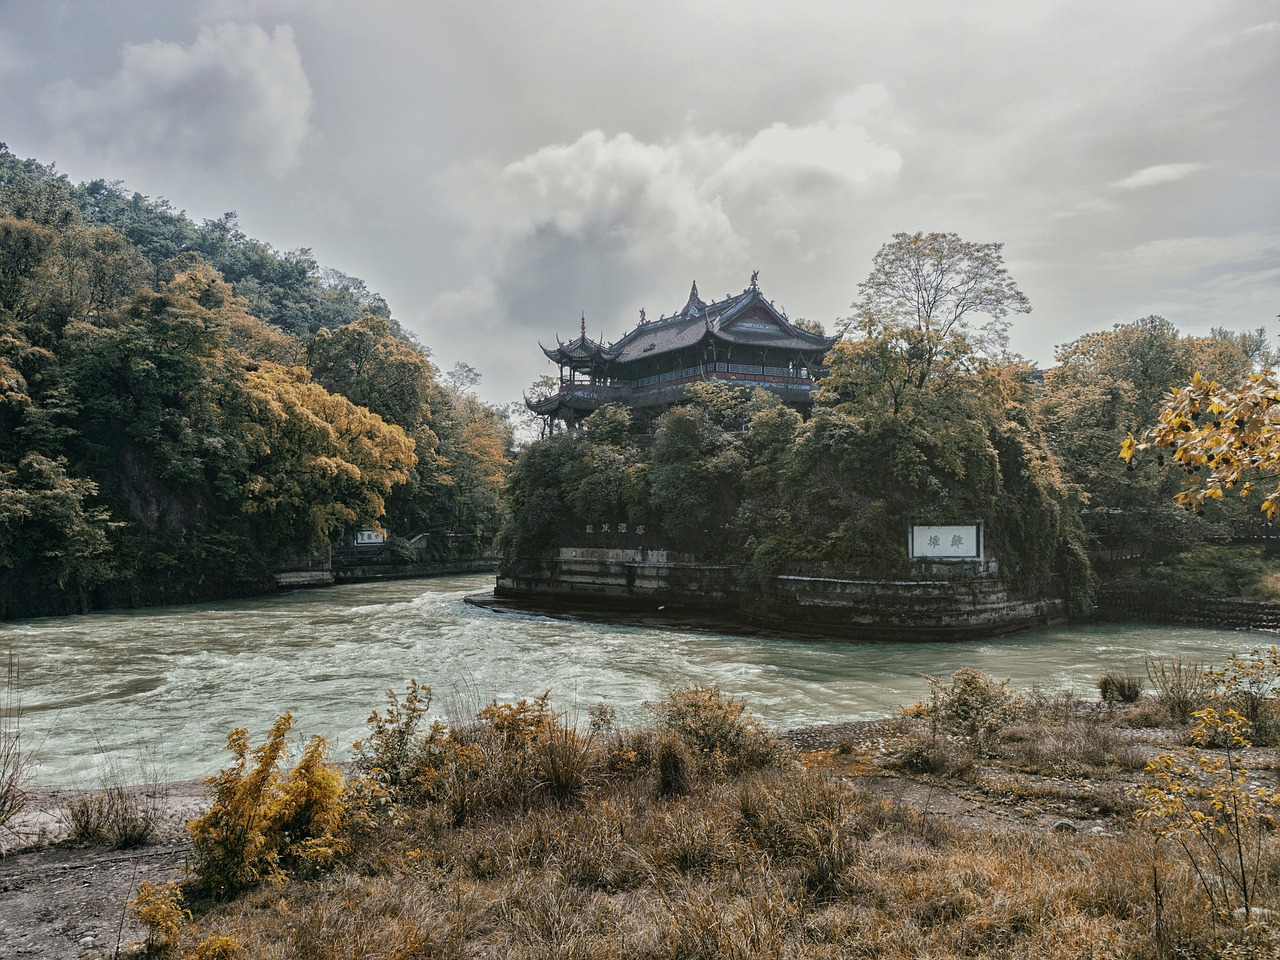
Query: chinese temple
{"points": [[742, 339]]}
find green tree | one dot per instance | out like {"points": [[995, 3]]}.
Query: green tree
{"points": [[1106, 385], [368, 364], [695, 481], [54, 543]]}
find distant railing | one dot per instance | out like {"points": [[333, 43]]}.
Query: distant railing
{"points": [[779, 379]]}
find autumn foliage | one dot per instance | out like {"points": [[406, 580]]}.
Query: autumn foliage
{"points": [[1226, 440]]}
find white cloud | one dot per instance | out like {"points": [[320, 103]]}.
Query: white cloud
{"points": [[685, 200], [237, 97], [1092, 205], [1154, 176], [840, 147]]}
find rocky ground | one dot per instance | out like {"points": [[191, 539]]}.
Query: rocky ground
{"points": [[62, 901]]}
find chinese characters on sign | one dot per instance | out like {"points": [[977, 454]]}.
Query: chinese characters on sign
{"points": [[622, 528], [947, 543]]}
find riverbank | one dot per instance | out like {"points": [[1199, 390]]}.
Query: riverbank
{"points": [[1046, 804], [1120, 606]]}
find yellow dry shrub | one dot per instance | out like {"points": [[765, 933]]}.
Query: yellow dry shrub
{"points": [[217, 947], [717, 729], [1212, 809], [159, 909], [264, 823]]}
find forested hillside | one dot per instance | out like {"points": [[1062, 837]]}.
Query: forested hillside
{"points": [[183, 408]]}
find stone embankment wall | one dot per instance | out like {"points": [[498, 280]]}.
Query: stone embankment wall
{"points": [[934, 609], [1151, 605]]}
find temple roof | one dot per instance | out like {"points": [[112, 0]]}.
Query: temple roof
{"points": [[747, 319]]}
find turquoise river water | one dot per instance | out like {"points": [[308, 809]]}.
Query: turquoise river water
{"points": [[152, 693]]}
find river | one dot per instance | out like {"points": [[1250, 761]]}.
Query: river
{"points": [[151, 694]]}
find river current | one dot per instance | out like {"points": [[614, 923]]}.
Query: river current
{"points": [[152, 694]]}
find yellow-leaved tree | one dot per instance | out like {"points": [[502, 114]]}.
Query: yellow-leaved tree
{"points": [[320, 462], [1225, 439]]}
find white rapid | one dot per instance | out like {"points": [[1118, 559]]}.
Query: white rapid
{"points": [[153, 693]]}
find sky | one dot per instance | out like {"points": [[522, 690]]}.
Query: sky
{"points": [[499, 169]]}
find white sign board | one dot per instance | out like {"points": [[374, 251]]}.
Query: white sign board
{"points": [[947, 543], [366, 537]]}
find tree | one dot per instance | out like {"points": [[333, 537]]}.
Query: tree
{"points": [[1108, 384], [527, 425], [368, 364], [319, 462], [54, 545], [695, 480], [915, 319], [463, 377], [1222, 438]]}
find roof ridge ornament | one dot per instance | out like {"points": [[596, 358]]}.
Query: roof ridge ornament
{"points": [[584, 325], [695, 304], [755, 279]]}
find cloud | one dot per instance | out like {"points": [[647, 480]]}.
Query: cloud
{"points": [[840, 147], [12, 58], [237, 97], [700, 200], [1154, 176], [218, 11], [1091, 205], [1245, 252], [603, 223]]}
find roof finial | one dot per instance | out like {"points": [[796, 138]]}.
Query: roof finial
{"points": [[584, 325], [755, 279], [693, 293], [642, 318]]}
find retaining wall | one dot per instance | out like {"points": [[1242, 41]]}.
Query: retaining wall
{"points": [[641, 579], [1151, 605]]}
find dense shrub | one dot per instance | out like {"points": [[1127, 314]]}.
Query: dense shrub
{"points": [[1119, 688], [264, 823], [975, 705], [717, 729], [1181, 686]]}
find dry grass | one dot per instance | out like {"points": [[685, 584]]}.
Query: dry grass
{"points": [[592, 845], [781, 864], [15, 758]]}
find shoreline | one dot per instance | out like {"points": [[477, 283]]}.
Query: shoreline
{"points": [[1222, 613]]}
